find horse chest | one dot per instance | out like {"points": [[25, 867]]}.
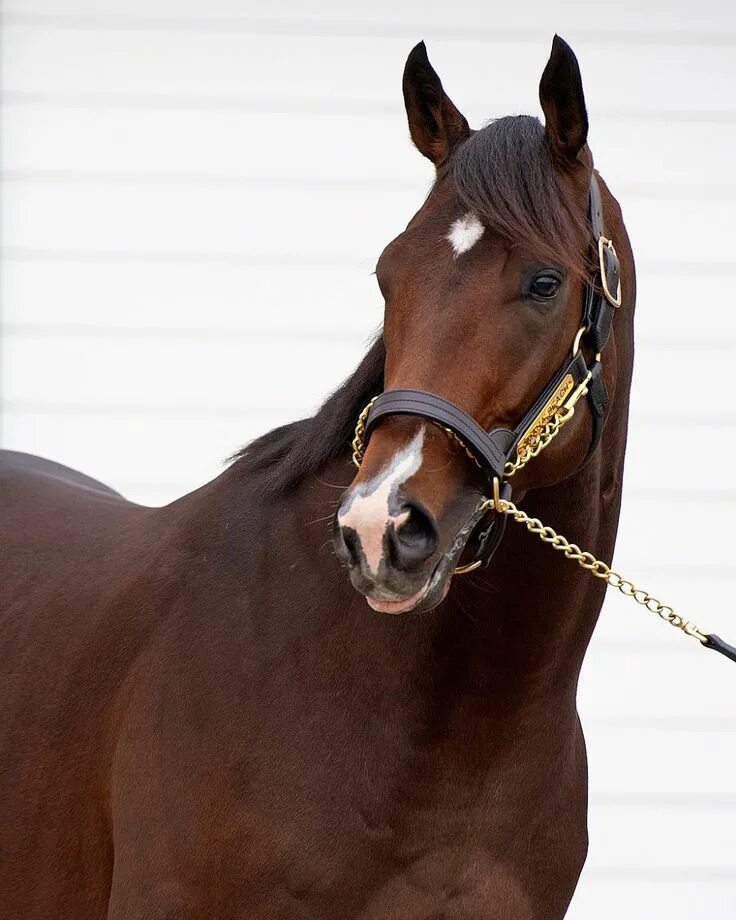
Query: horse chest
{"points": [[409, 842]]}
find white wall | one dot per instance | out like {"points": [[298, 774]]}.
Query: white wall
{"points": [[194, 195]]}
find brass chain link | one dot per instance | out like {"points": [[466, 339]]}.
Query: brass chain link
{"points": [[358, 444], [596, 567], [545, 437]]}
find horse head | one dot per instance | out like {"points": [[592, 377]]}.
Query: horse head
{"points": [[485, 299]]}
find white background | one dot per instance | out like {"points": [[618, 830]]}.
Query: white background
{"points": [[193, 198]]}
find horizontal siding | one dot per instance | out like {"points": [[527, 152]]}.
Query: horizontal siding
{"points": [[233, 222], [312, 300], [194, 380], [676, 895], [193, 199], [95, 62], [213, 143], [659, 22]]}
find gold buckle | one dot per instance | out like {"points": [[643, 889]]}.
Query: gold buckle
{"points": [[604, 242]]}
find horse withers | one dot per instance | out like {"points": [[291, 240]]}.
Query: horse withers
{"points": [[201, 715]]}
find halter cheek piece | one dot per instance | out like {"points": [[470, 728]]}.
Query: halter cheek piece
{"points": [[500, 452]]}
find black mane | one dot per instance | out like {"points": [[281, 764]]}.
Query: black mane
{"points": [[287, 455], [506, 175]]}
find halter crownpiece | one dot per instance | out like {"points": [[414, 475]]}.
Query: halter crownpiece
{"points": [[501, 452]]}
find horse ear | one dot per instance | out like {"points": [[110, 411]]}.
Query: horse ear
{"points": [[436, 126], [563, 102]]}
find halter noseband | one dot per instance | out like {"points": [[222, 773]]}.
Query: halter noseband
{"points": [[501, 452]]}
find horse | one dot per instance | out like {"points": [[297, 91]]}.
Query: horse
{"points": [[280, 696]]}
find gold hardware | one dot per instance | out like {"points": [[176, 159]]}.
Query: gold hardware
{"points": [[358, 444], [470, 567], [496, 502], [534, 433], [605, 243], [538, 437], [576, 341], [596, 567], [459, 441], [581, 390], [496, 494], [558, 411]]}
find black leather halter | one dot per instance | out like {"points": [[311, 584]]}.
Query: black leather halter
{"points": [[493, 450]]}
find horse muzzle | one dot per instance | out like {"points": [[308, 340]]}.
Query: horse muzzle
{"points": [[397, 563]]}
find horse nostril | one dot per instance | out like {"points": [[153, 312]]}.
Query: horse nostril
{"points": [[347, 545], [415, 539]]}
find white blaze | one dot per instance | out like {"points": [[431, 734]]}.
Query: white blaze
{"points": [[369, 510], [465, 233]]}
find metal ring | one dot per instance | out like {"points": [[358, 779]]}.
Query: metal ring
{"points": [[605, 243], [470, 567], [578, 338], [496, 495]]}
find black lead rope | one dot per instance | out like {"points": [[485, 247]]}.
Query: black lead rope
{"points": [[718, 645]]}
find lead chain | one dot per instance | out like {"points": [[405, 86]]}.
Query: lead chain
{"points": [[572, 551], [596, 567]]}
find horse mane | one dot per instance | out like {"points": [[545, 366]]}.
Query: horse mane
{"points": [[285, 457], [505, 173]]}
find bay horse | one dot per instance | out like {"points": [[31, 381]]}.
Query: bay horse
{"points": [[202, 717]]}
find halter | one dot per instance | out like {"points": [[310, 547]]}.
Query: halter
{"points": [[501, 452]]}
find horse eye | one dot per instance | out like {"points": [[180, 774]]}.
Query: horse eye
{"points": [[545, 286]]}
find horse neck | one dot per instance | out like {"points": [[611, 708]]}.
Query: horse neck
{"points": [[534, 609]]}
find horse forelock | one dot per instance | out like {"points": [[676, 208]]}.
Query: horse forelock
{"points": [[505, 175]]}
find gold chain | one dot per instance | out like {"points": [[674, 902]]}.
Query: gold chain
{"points": [[595, 566], [358, 444], [541, 440], [459, 441]]}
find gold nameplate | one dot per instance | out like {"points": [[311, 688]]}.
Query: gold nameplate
{"points": [[533, 433]]}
